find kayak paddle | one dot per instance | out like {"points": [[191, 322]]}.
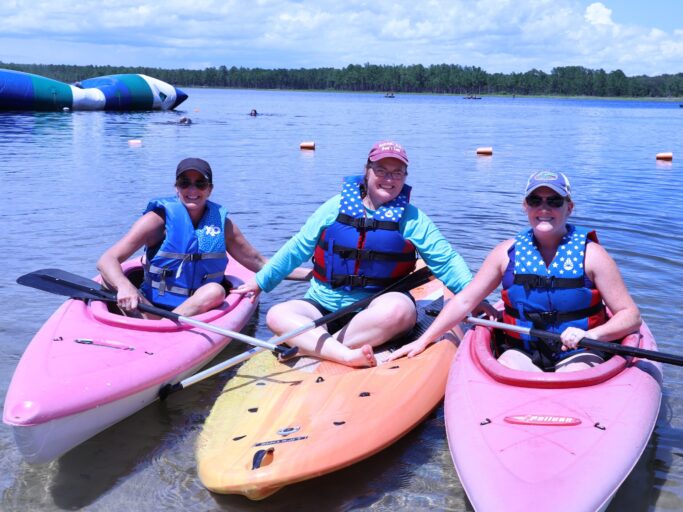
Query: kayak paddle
{"points": [[613, 348], [71, 285], [407, 283]]}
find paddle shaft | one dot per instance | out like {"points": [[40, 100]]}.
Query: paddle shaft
{"points": [[417, 278], [613, 348], [264, 345], [80, 287]]}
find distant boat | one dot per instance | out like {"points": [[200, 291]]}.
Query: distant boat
{"points": [[389, 95], [472, 97]]}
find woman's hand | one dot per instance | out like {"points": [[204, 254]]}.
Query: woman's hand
{"points": [[410, 350], [127, 297], [571, 337], [487, 310], [250, 289]]}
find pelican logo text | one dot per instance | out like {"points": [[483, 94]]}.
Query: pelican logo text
{"points": [[543, 419], [212, 230]]}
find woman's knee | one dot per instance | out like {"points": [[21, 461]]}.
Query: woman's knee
{"points": [[274, 317], [516, 360], [210, 296], [214, 292], [279, 317], [396, 312]]}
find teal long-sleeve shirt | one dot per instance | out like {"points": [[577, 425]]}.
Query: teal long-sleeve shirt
{"points": [[446, 264]]}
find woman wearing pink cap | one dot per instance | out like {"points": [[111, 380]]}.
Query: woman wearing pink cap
{"points": [[555, 277], [361, 241]]}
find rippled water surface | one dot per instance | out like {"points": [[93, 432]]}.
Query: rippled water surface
{"points": [[73, 184]]}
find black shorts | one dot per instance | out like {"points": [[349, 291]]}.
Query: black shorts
{"points": [[339, 323], [542, 355], [334, 325]]}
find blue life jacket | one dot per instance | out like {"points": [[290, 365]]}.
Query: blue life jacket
{"points": [[188, 257], [550, 298], [360, 252]]}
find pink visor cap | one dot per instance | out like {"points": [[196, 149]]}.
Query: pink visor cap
{"points": [[388, 149]]}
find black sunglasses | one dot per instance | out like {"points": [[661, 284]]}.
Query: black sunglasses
{"points": [[553, 201], [199, 184]]}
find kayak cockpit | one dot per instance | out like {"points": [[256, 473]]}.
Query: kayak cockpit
{"points": [[482, 354], [108, 313]]}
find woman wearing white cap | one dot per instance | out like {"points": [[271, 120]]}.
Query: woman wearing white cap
{"points": [[361, 240], [555, 277], [186, 239]]}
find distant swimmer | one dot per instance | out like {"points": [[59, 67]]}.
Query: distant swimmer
{"points": [[185, 120], [253, 112]]}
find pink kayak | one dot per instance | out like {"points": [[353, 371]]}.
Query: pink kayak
{"points": [[525, 441], [88, 368]]}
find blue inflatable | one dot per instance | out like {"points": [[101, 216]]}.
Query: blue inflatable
{"points": [[24, 91]]}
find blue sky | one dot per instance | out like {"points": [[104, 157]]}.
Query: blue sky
{"points": [[638, 37]]}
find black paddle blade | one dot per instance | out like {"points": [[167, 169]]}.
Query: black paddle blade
{"points": [[65, 283]]}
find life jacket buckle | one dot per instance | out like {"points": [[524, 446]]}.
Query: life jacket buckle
{"points": [[162, 281], [542, 318], [346, 254], [370, 224], [356, 280], [535, 281]]}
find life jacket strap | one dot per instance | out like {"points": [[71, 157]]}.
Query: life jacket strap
{"points": [[161, 286], [338, 280], [191, 257], [543, 318], [367, 224], [530, 281], [351, 253]]}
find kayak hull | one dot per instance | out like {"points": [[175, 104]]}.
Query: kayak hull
{"points": [[87, 368], [548, 441], [275, 424]]}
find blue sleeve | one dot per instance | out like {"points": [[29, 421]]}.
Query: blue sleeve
{"points": [[446, 264], [299, 248]]}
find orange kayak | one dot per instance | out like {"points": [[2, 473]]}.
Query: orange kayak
{"points": [[278, 423]]}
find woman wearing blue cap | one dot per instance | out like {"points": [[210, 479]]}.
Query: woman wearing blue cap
{"points": [[555, 277], [186, 239], [361, 241]]}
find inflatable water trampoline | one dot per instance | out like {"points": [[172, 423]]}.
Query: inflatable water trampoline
{"points": [[24, 91]]}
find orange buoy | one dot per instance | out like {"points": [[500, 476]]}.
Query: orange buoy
{"points": [[307, 145], [133, 143], [665, 156], [485, 151]]}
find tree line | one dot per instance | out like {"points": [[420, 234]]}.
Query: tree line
{"points": [[440, 78]]}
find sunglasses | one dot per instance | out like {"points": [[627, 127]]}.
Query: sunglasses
{"points": [[553, 201], [199, 185], [383, 173]]}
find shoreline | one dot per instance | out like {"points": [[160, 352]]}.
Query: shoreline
{"points": [[660, 99]]}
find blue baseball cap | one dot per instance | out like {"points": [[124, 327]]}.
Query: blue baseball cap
{"points": [[556, 181]]}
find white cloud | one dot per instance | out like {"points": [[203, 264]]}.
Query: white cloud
{"points": [[598, 14], [497, 35]]}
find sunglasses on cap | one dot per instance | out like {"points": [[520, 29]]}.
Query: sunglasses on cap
{"points": [[184, 183], [555, 201]]}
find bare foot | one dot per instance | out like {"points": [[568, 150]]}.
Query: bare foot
{"points": [[361, 357]]}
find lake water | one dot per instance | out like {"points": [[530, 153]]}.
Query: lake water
{"points": [[73, 185]]}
